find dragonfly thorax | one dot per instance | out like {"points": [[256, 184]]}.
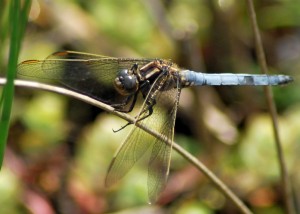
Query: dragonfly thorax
{"points": [[126, 82]]}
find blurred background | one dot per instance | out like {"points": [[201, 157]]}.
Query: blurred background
{"points": [[59, 148]]}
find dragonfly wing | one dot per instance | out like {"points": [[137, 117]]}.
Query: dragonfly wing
{"points": [[159, 163], [92, 75]]}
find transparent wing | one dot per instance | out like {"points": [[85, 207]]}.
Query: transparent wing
{"points": [[89, 74], [136, 144], [159, 163]]}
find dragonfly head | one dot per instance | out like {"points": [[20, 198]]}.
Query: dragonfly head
{"points": [[126, 83]]}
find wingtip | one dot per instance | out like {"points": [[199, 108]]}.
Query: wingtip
{"points": [[111, 178], [107, 184], [109, 181]]}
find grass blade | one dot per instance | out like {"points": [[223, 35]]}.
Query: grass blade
{"points": [[17, 21]]}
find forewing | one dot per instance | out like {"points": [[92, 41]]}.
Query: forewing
{"points": [[89, 74]]}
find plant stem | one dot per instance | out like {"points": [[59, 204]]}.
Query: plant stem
{"points": [[290, 209]]}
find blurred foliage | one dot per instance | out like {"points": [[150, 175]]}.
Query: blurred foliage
{"points": [[59, 149]]}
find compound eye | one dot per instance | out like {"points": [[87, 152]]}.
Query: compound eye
{"points": [[126, 83]]}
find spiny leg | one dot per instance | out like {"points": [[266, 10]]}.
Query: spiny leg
{"points": [[149, 109]]}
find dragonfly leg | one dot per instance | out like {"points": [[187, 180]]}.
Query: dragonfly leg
{"points": [[122, 127], [149, 110], [134, 68], [129, 110], [132, 103], [145, 88], [130, 99]]}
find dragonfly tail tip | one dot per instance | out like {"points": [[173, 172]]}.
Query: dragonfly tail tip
{"points": [[286, 79]]}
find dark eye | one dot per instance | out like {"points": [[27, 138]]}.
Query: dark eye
{"points": [[126, 83]]}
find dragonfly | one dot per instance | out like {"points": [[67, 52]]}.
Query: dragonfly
{"points": [[118, 82]]}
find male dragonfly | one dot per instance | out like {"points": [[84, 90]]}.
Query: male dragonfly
{"points": [[117, 82]]}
